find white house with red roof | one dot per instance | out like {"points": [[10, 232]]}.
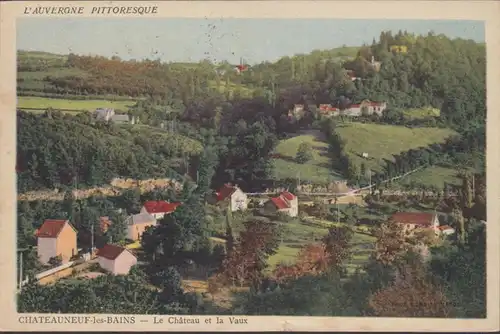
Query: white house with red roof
{"points": [[115, 259], [158, 209], [328, 110], [233, 196], [414, 220], [56, 238], [286, 203]]}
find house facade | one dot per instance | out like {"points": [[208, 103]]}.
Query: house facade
{"points": [[366, 107], [233, 196], [56, 238], [158, 209], [286, 203], [137, 224], [417, 220], [115, 259]]}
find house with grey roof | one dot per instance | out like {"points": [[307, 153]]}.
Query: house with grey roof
{"points": [[137, 224], [123, 119], [104, 114]]}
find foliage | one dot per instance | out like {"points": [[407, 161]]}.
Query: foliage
{"points": [[304, 153]]}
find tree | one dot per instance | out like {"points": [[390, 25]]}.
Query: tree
{"points": [[412, 294], [304, 153], [391, 243]]}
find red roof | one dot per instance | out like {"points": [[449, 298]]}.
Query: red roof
{"points": [[110, 252], [445, 227], [288, 195], [416, 218], [51, 228], [225, 191], [355, 105], [280, 203], [160, 206]]}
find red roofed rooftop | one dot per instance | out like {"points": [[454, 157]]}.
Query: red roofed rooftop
{"points": [[51, 228], [280, 203], [160, 206], [416, 218], [225, 191], [110, 252]]}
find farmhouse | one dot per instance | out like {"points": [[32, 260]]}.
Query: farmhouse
{"points": [[137, 224], [115, 259], [56, 238], [414, 220], [286, 203], [158, 209], [233, 196]]}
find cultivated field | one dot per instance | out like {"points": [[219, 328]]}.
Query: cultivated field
{"points": [[316, 170], [42, 103], [383, 141]]}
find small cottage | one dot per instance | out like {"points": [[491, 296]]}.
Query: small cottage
{"points": [[286, 203], [137, 224], [115, 259], [233, 196], [446, 230], [56, 237], [159, 209]]}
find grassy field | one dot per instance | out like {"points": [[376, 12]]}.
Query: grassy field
{"points": [[421, 113], [383, 141], [297, 235], [432, 176], [77, 105], [316, 170]]}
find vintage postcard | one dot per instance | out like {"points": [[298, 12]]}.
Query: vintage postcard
{"points": [[250, 166]]}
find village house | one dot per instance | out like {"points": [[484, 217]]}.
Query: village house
{"points": [[286, 203], [137, 224], [109, 115], [328, 110], [366, 107], [158, 209], [115, 259], [233, 196], [420, 220], [56, 238], [296, 112]]}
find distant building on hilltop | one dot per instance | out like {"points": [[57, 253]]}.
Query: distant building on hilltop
{"points": [[417, 220]]}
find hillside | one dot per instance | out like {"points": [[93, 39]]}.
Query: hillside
{"points": [[381, 142], [58, 150]]}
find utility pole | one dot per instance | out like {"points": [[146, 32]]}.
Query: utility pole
{"points": [[20, 270], [92, 239]]}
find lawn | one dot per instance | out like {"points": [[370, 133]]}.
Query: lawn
{"points": [[32, 102], [435, 176], [316, 170], [383, 141]]}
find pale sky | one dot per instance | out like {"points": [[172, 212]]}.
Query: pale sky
{"points": [[193, 39]]}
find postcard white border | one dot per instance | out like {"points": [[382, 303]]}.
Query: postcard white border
{"points": [[486, 11]]}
